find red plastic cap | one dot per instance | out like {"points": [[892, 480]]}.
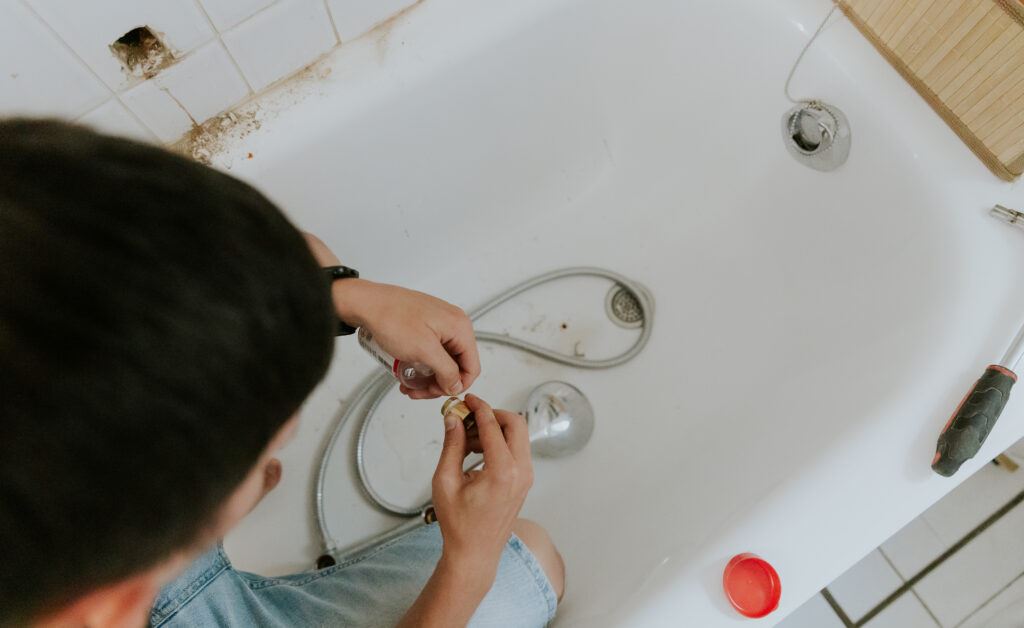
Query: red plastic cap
{"points": [[752, 585]]}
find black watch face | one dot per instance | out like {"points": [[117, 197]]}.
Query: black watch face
{"points": [[342, 272]]}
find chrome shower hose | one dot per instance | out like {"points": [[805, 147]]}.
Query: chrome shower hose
{"points": [[379, 386]]}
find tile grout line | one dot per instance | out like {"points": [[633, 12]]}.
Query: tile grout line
{"points": [[902, 588], [220, 40], [989, 600], [70, 50], [928, 610], [956, 547], [114, 94], [837, 609], [912, 591], [334, 24]]}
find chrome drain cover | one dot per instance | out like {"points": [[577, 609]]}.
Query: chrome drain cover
{"points": [[623, 307], [817, 135]]}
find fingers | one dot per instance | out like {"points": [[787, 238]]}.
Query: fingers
{"points": [[473, 440], [516, 434], [495, 449], [462, 347], [446, 370], [453, 452]]}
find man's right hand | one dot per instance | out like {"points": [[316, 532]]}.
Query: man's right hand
{"points": [[476, 511]]}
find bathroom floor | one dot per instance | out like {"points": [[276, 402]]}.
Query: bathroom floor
{"points": [[958, 565]]}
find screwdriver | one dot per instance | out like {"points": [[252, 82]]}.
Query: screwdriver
{"points": [[974, 418]]}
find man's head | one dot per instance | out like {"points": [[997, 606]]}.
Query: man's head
{"points": [[159, 324]]}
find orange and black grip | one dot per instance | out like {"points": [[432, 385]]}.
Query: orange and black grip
{"points": [[967, 429]]}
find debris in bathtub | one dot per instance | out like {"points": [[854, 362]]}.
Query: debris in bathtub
{"points": [[213, 137], [752, 585]]}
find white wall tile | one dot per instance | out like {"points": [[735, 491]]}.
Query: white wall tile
{"points": [[355, 17], [815, 613], [205, 82], [157, 110], [864, 585], [90, 27], [38, 74], [227, 13], [112, 117], [951, 518], [1005, 610], [905, 612], [280, 40], [976, 573]]}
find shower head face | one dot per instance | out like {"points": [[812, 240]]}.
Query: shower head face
{"points": [[560, 420]]}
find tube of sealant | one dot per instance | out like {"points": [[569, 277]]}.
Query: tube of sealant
{"points": [[414, 375]]}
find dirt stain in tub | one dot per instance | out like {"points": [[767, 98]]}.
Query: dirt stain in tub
{"points": [[383, 30], [220, 133]]}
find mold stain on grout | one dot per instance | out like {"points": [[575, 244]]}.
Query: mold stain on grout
{"points": [[212, 139], [218, 135]]}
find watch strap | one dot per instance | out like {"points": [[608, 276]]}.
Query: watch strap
{"points": [[335, 273]]}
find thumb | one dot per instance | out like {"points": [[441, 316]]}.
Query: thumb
{"points": [[446, 370], [453, 451]]}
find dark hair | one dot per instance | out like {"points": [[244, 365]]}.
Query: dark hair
{"points": [[159, 322]]}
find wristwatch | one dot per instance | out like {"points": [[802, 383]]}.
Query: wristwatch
{"points": [[335, 273]]}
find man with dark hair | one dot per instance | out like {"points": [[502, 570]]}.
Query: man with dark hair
{"points": [[161, 324]]}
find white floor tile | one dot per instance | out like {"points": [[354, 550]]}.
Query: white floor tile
{"points": [[976, 573], [1006, 610], [864, 585], [914, 546], [952, 517], [905, 612], [815, 613]]}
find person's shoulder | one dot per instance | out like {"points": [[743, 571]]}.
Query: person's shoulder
{"points": [[192, 586]]}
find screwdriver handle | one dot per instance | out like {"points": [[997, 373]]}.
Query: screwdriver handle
{"points": [[974, 418]]}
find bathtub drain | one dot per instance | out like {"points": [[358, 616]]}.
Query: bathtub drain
{"points": [[816, 134], [623, 307]]}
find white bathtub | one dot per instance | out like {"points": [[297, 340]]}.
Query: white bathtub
{"points": [[813, 332]]}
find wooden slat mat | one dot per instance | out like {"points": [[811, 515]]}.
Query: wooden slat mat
{"points": [[966, 58]]}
